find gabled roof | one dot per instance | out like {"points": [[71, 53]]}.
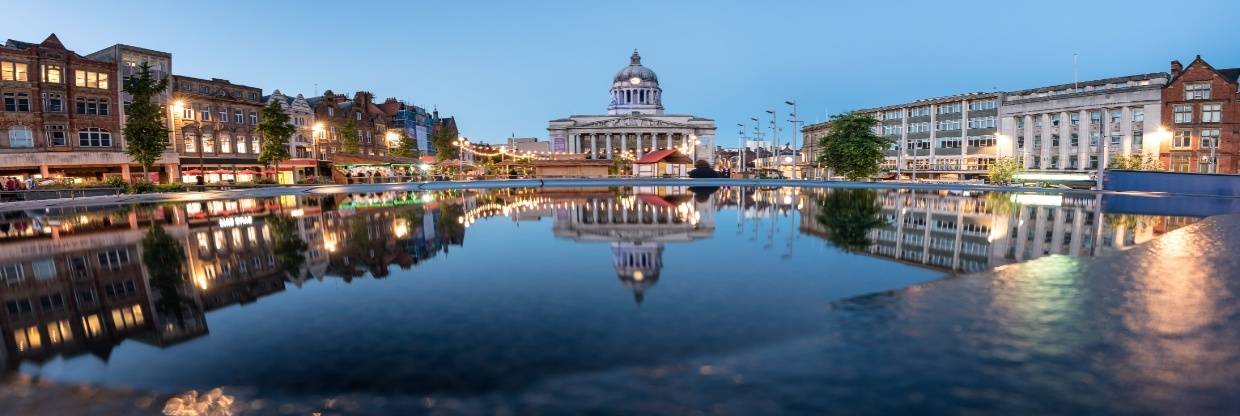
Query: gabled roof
{"points": [[1230, 74], [665, 155]]}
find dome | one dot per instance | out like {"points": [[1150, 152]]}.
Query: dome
{"points": [[636, 70]]}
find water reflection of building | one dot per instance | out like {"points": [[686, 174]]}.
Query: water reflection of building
{"points": [[968, 232], [636, 225], [372, 231]]}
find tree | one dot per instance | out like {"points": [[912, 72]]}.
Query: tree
{"points": [[1145, 161], [406, 146], [287, 246], [851, 148], [275, 130], [145, 132], [442, 140], [848, 215], [164, 258], [1003, 170], [348, 137]]}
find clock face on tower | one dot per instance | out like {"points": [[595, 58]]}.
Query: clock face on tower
{"points": [[635, 80]]}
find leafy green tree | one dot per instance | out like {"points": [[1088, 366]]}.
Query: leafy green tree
{"points": [[275, 129], [406, 146], [145, 132], [1004, 170], [442, 140], [1145, 161], [287, 245], [349, 137], [851, 148], [848, 215], [164, 258]]}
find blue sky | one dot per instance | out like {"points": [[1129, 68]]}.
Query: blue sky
{"points": [[504, 67]]}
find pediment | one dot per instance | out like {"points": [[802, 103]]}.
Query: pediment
{"points": [[633, 121]]}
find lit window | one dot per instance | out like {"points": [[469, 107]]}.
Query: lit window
{"points": [[13, 71], [51, 73], [90, 79]]}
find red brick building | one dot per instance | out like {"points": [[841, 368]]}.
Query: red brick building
{"points": [[1201, 114], [334, 110], [60, 113], [214, 123]]}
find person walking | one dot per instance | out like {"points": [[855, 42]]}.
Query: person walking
{"points": [[702, 170]]}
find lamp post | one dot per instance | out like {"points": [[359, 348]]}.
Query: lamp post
{"points": [[795, 133], [740, 135], [777, 163], [317, 131], [460, 143]]}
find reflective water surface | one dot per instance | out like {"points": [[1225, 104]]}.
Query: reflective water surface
{"points": [[485, 298]]}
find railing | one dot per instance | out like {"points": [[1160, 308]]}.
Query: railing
{"points": [[57, 193]]}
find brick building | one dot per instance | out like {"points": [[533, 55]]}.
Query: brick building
{"points": [[60, 115], [1202, 115], [213, 129], [334, 110]]}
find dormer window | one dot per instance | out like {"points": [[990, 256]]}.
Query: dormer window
{"points": [[358, 116]]}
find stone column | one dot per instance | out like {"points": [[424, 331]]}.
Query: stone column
{"points": [[1065, 139], [964, 139], [670, 142], [43, 170], [1125, 128], [934, 136], [639, 152], [609, 156], [1104, 142], [1082, 149], [174, 172], [1045, 152], [125, 171], [593, 147]]}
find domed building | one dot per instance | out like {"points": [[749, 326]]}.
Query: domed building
{"points": [[635, 122]]}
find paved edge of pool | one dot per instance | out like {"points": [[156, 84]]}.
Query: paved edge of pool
{"points": [[533, 183]]}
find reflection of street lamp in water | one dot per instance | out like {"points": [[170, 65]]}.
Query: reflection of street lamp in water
{"points": [[460, 143]]}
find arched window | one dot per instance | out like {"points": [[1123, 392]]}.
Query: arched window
{"points": [[628, 96], [20, 136], [191, 143], [208, 143], [225, 143], [241, 145], [94, 137], [254, 145]]}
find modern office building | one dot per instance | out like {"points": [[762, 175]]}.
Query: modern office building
{"points": [[1200, 110], [1080, 126], [940, 138]]}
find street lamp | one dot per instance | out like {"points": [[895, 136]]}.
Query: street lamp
{"points": [[795, 133], [317, 131], [460, 144]]}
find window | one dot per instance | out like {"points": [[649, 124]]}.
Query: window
{"points": [[16, 101], [1211, 113], [241, 148], [59, 331], [1055, 140], [1074, 140], [1138, 114], [190, 145], [187, 113], [237, 117], [1138, 138], [1197, 91], [1116, 115], [358, 116], [1074, 118], [52, 302], [1095, 138], [56, 136], [204, 112], [331, 112], [114, 258], [28, 338], [1209, 138], [19, 307], [92, 106], [1095, 117], [51, 73], [892, 115], [12, 71], [254, 118], [223, 115], [225, 144], [982, 122], [254, 145], [949, 143], [981, 105], [12, 274], [53, 103], [92, 325], [208, 143], [91, 79], [981, 141], [1183, 113], [1182, 138], [1180, 163], [94, 137], [1116, 138], [943, 125], [949, 108], [1055, 119], [20, 137]]}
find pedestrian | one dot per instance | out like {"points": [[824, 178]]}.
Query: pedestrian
{"points": [[30, 183], [702, 170]]}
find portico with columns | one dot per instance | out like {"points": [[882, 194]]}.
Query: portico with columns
{"points": [[634, 124]]}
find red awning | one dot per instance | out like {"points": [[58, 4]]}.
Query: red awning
{"points": [[269, 171], [193, 172], [666, 155], [247, 172], [222, 171]]}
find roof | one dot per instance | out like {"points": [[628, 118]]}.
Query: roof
{"points": [[665, 155], [1232, 74]]}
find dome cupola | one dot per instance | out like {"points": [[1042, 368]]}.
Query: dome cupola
{"points": [[635, 90]]}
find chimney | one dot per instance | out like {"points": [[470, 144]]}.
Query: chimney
{"points": [[1176, 68]]}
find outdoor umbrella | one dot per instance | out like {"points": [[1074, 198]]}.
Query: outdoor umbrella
{"points": [[269, 171], [247, 172], [222, 171], [193, 172]]}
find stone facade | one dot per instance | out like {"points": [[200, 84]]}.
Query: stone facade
{"points": [[1081, 126], [60, 115], [213, 127], [302, 147], [334, 110], [1201, 114], [634, 123]]}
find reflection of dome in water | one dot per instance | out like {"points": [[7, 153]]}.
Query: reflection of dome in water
{"points": [[637, 265]]}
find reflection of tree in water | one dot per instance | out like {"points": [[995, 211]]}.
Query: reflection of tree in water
{"points": [[164, 258], [287, 245], [848, 215], [449, 223]]}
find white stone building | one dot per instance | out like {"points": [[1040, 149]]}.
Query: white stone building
{"points": [[301, 147], [634, 123], [1070, 127]]}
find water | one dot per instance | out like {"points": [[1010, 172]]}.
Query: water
{"points": [[525, 299]]}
